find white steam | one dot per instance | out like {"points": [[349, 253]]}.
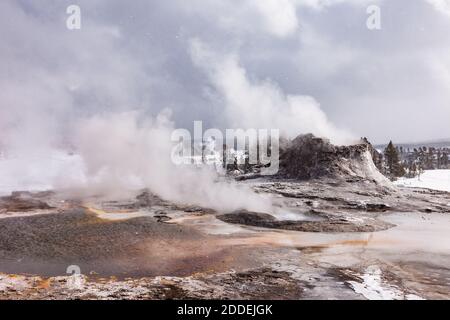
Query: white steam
{"points": [[262, 104], [121, 152], [441, 6], [73, 89], [118, 154]]}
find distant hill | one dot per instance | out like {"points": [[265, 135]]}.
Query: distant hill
{"points": [[441, 143]]}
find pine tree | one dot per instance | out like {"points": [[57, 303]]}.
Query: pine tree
{"points": [[444, 160], [394, 168], [439, 159], [412, 170]]}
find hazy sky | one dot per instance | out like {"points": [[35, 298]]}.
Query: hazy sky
{"points": [[210, 59]]}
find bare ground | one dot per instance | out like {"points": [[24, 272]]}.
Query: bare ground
{"points": [[146, 248]]}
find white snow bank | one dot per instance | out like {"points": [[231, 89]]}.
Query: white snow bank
{"points": [[430, 179], [374, 287]]}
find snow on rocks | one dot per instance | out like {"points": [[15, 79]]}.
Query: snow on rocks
{"points": [[374, 287]]}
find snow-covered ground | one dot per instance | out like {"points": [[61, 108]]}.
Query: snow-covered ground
{"points": [[430, 179]]}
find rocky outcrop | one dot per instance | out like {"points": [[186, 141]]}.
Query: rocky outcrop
{"points": [[329, 224], [309, 157]]}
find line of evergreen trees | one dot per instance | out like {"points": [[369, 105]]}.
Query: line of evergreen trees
{"points": [[397, 162]]}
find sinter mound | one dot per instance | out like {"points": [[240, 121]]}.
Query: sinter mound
{"points": [[308, 157]]}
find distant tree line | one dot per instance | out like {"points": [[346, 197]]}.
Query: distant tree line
{"points": [[395, 162]]}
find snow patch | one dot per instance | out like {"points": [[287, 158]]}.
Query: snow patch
{"points": [[374, 287], [430, 179]]}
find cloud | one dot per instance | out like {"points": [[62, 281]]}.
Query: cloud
{"points": [[442, 6], [277, 18], [136, 55], [321, 4], [280, 16]]}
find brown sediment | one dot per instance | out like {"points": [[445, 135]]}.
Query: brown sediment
{"points": [[44, 283], [16, 203], [352, 243], [47, 244], [302, 242], [100, 212]]}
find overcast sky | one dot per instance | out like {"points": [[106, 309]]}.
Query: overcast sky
{"points": [[211, 59]]}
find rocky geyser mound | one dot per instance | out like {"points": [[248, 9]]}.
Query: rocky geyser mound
{"points": [[309, 157]]}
